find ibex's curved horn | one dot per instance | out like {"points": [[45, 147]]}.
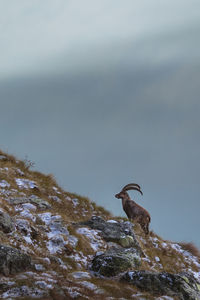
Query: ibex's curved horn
{"points": [[132, 186]]}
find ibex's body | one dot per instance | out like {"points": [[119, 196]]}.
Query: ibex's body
{"points": [[134, 211]]}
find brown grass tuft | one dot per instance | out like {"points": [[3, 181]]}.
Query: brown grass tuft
{"points": [[190, 247]]}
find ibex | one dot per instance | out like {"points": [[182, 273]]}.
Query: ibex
{"points": [[134, 211]]}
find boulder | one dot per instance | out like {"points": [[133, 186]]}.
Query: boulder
{"points": [[114, 231], [6, 223], [13, 260], [115, 261], [40, 203], [182, 285]]}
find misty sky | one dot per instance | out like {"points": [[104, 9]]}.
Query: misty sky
{"points": [[103, 93]]}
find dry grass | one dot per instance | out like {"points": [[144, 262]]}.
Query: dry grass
{"points": [[190, 247], [75, 208]]}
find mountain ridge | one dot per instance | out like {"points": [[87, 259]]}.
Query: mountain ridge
{"points": [[74, 249]]}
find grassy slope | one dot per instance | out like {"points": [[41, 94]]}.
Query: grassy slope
{"points": [[160, 255]]}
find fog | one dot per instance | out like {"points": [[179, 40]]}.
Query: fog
{"points": [[105, 93]]}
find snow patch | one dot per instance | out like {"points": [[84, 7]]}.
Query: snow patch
{"points": [[93, 235], [88, 285], [47, 260], [157, 258], [73, 240], [56, 244], [28, 239], [26, 214], [39, 267], [19, 172], [44, 285], [55, 198], [81, 275], [4, 184], [75, 202], [56, 190], [164, 245], [29, 206], [23, 291], [55, 232], [112, 221], [25, 183]]}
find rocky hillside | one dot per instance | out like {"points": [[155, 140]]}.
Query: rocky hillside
{"points": [[59, 245]]}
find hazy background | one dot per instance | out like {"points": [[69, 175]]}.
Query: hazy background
{"points": [[103, 93]]}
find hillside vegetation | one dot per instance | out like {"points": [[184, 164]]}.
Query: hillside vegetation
{"points": [[60, 245]]}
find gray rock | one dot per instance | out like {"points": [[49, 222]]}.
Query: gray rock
{"points": [[113, 231], [25, 291], [115, 261], [6, 223], [13, 260], [40, 203], [182, 285], [81, 275]]}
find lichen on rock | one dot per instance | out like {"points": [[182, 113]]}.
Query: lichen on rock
{"points": [[13, 260], [6, 222], [118, 232], [183, 285], [115, 261]]}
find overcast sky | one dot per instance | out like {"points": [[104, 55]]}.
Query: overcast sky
{"points": [[103, 93]]}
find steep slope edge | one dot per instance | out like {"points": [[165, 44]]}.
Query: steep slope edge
{"points": [[59, 245]]}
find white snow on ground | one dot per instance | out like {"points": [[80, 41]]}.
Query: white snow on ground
{"points": [[75, 202], [81, 275], [55, 198], [68, 198], [25, 213], [88, 285], [74, 292], [47, 260], [146, 259], [112, 221], [96, 241], [56, 232], [24, 290], [39, 267], [165, 245], [46, 217], [28, 239], [56, 190], [43, 284], [4, 170], [157, 258], [56, 244], [25, 183], [29, 206], [72, 240], [19, 172], [190, 259], [5, 193], [164, 298], [81, 259], [4, 184]]}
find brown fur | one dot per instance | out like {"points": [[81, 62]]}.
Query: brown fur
{"points": [[134, 211]]}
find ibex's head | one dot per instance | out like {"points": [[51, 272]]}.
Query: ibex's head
{"points": [[130, 186]]}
